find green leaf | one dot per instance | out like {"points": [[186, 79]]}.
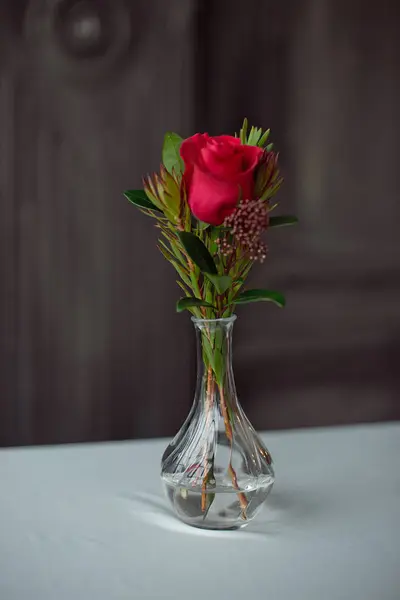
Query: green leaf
{"points": [[202, 225], [217, 232], [219, 357], [260, 296], [264, 138], [180, 269], [190, 302], [140, 199], [283, 221], [209, 481], [272, 189], [210, 500], [270, 147], [220, 282], [243, 132], [198, 252], [170, 153], [165, 252], [254, 136], [183, 287], [208, 354]]}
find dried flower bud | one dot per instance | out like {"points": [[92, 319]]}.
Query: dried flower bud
{"points": [[246, 224]]}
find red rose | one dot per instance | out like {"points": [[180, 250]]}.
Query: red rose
{"points": [[218, 170]]}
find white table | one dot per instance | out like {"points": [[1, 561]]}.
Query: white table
{"points": [[89, 522]]}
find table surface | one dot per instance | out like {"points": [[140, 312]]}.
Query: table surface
{"points": [[90, 522]]}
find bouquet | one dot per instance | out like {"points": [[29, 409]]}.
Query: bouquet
{"points": [[212, 202]]}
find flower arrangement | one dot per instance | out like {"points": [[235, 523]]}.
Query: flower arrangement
{"points": [[212, 202]]}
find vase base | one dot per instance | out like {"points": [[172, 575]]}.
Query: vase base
{"points": [[217, 510], [209, 527]]}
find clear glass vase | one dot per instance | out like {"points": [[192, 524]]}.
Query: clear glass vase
{"points": [[217, 473]]}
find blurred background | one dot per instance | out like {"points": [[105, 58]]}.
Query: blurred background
{"points": [[90, 345]]}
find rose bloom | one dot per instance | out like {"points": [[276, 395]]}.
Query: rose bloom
{"points": [[218, 171]]}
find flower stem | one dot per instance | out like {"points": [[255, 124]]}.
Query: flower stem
{"points": [[207, 499], [208, 470], [229, 434]]}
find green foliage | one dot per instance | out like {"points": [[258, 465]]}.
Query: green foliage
{"points": [[220, 282], [219, 356], [170, 153], [202, 226], [243, 132], [261, 296], [198, 252], [189, 302], [139, 198], [272, 189], [264, 138], [254, 136], [178, 266], [211, 280], [268, 180], [282, 221], [164, 191]]}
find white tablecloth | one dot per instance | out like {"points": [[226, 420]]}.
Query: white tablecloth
{"points": [[89, 522]]}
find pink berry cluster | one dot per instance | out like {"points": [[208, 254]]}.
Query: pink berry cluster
{"points": [[246, 225]]}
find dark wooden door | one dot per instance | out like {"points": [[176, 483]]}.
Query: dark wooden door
{"points": [[91, 347], [326, 75], [87, 90]]}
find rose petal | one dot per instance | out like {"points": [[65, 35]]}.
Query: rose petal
{"points": [[227, 139], [191, 147], [251, 155], [189, 151], [222, 162], [211, 200]]}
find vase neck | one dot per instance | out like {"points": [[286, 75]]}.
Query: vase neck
{"points": [[214, 356]]}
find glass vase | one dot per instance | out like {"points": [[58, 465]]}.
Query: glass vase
{"points": [[216, 472]]}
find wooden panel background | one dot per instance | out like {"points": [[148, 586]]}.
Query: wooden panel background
{"points": [[90, 345]]}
